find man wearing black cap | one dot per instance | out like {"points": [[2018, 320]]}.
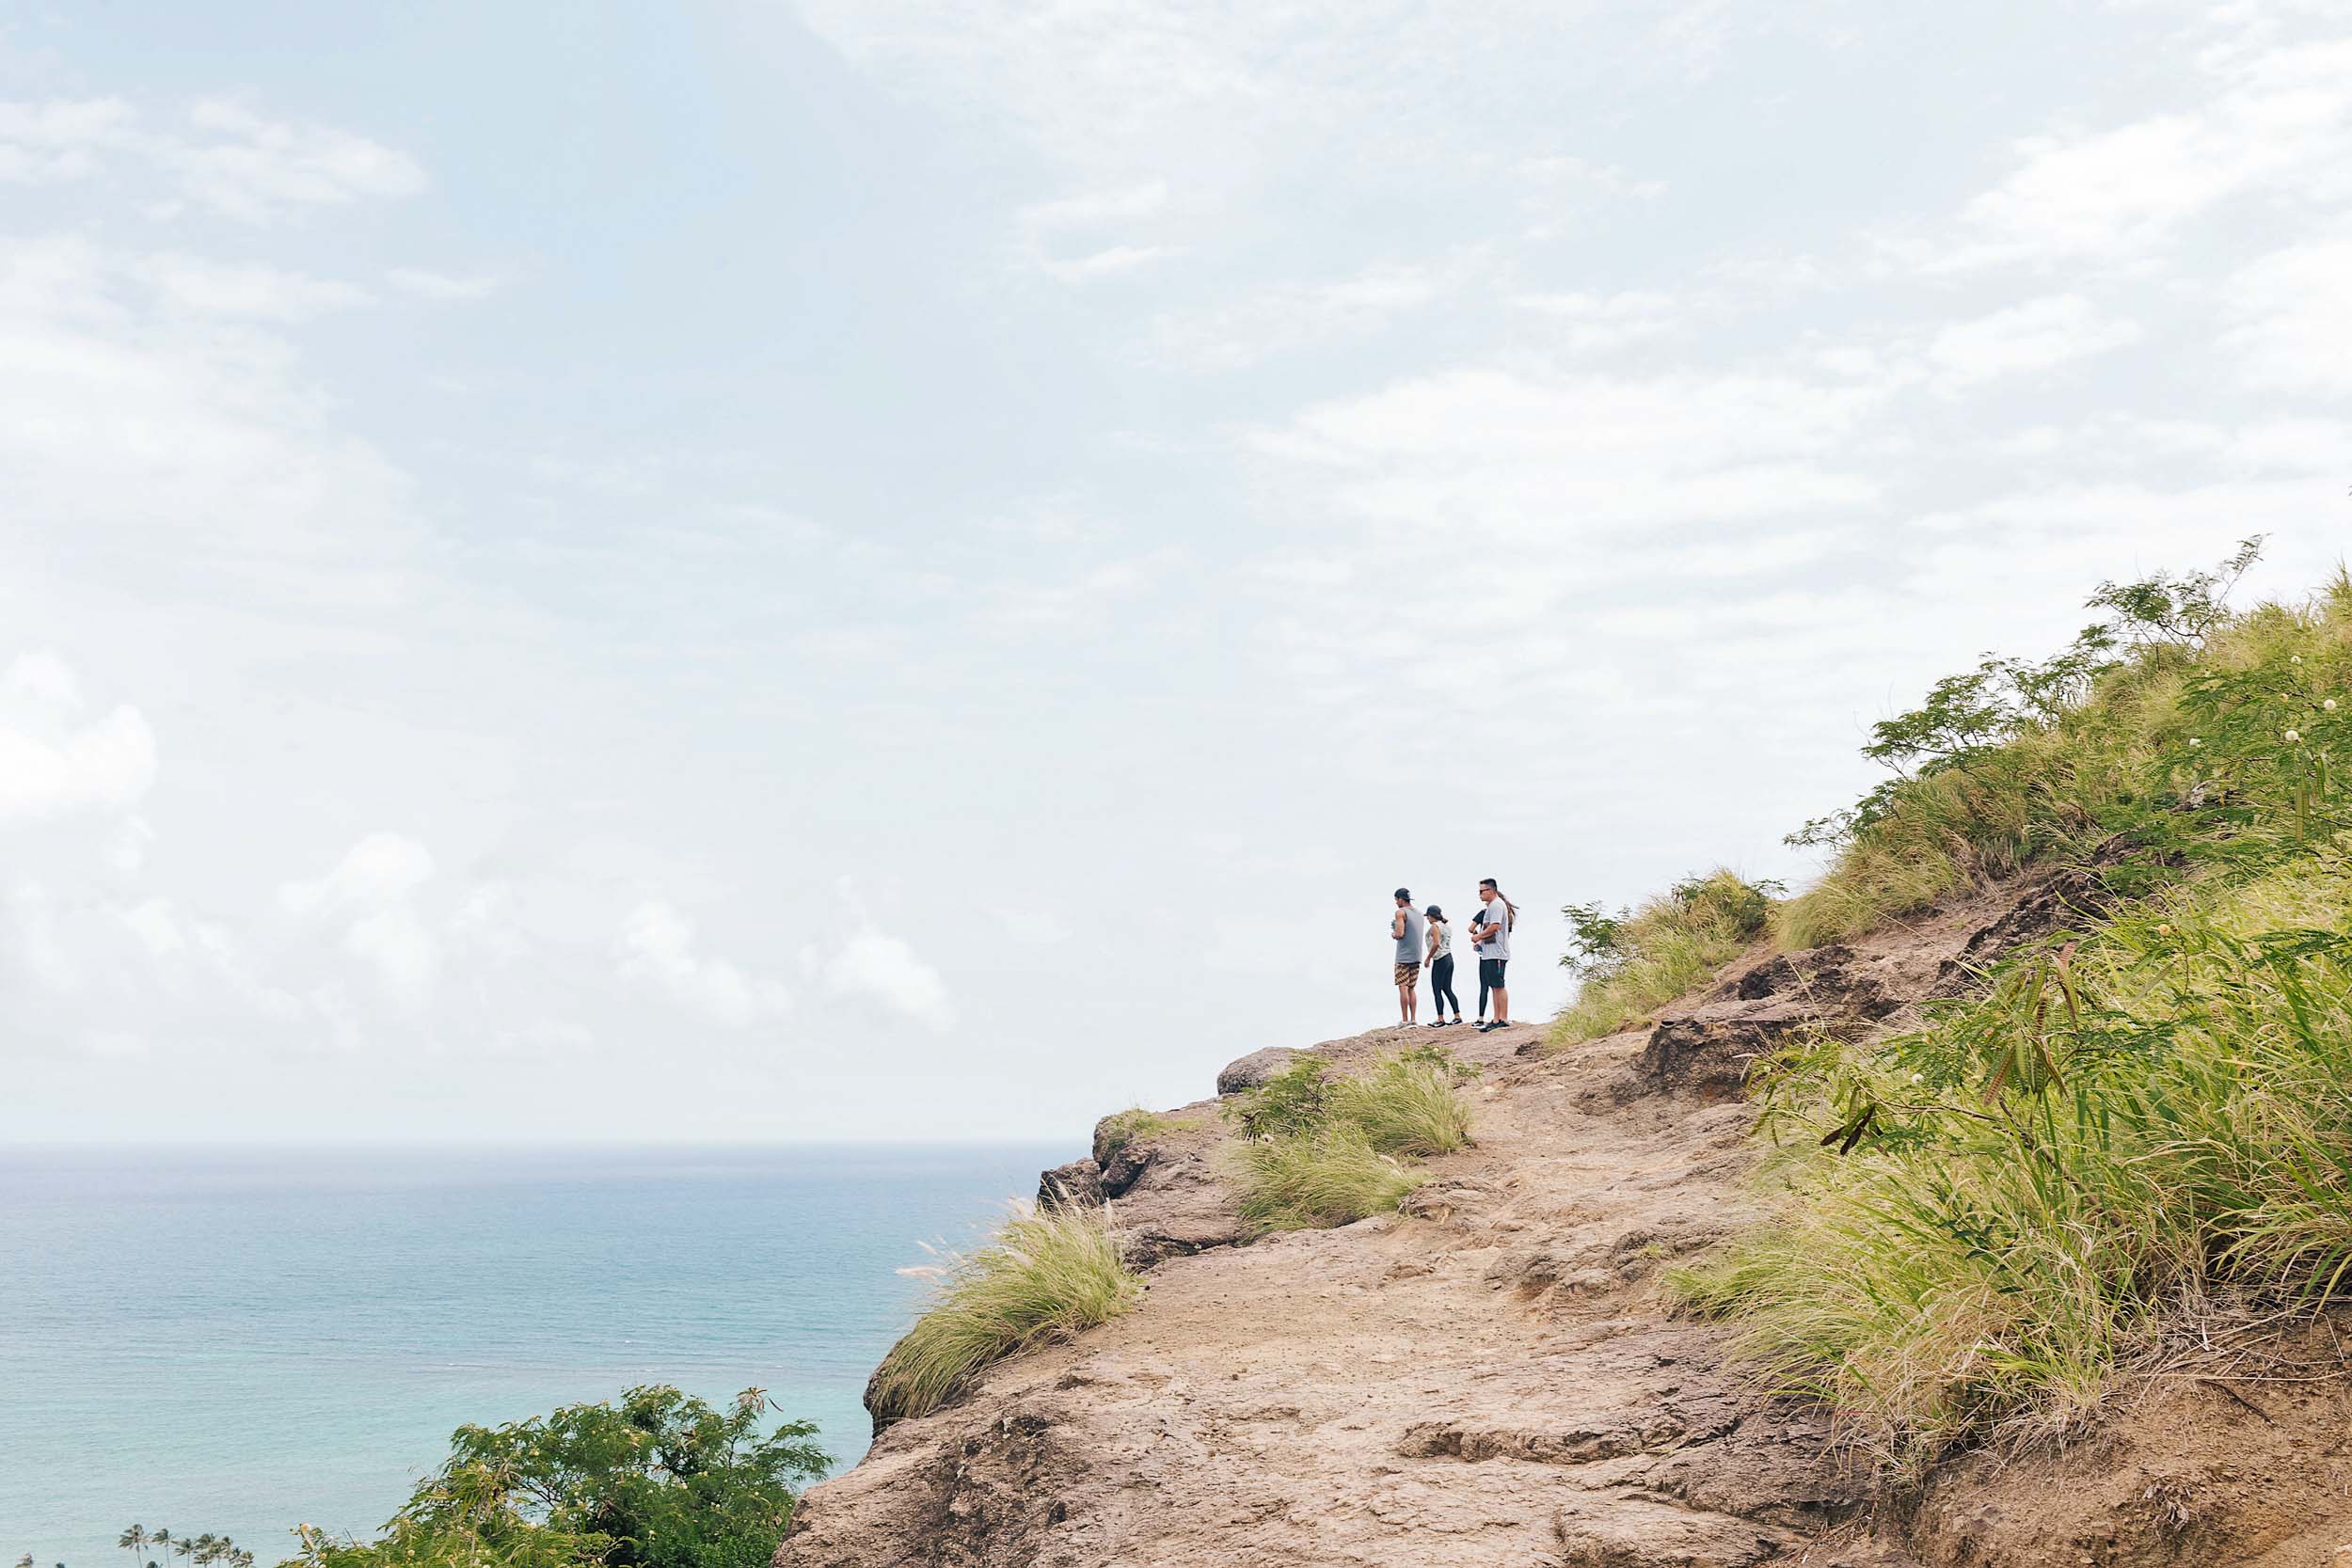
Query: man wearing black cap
{"points": [[1410, 932]]}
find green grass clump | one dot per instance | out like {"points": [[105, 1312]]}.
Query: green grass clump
{"points": [[1405, 1105], [1043, 1277], [1632, 963], [1318, 1150], [1331, 1175], [1987, 1220]]}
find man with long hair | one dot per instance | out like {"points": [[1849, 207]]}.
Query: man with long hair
{"points": [[1490, 931]]}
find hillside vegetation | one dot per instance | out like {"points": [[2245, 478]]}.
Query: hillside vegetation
{"points": [[2139, 1122]]}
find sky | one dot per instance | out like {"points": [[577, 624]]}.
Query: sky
{"points": [[919, 569]]}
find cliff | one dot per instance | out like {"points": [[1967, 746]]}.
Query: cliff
{"points": [[1490, 1375]]}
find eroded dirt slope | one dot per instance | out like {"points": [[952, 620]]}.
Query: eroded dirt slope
{"points": [[1487, 1378]]}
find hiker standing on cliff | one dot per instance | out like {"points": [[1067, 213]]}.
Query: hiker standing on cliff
{"points": [[1407, 930], [1440, 962], [1491, 931]]}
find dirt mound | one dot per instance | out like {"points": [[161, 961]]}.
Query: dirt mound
{"points": [[1487, 1377]]}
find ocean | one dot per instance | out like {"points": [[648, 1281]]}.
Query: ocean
{"points": [[236, 1342]]}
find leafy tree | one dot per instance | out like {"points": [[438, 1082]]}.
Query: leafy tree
{"points": [[1968, 718], [656, 1480], [133, 1540]]}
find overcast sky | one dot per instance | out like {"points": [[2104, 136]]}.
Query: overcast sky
{"points": [[920, 569]]}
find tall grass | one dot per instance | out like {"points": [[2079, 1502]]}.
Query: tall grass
{"points": [[1632, 964], [1405, 1105], [1043, 1277], [1331, 1175], [2113, 1132], [1320, 1152]]}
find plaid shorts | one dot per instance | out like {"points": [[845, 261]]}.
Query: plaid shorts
{"points": [[1409, 974]]}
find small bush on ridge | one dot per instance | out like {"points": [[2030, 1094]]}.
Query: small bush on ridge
{"points": [[1318, 1150], [1043, 1277], [1329, 1176], [1631, 963]]}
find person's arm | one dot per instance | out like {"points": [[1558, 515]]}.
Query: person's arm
{"points": [[1396, 926], [1429, 950]]}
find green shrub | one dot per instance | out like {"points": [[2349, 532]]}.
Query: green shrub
{"points": [[1988, 1216], [1328, 1176], [656, 1479], [1292, 1101], [1631, 963], [1045, 1276]]}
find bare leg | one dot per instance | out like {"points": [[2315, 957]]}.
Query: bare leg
{"points": [[1503, 1005]]}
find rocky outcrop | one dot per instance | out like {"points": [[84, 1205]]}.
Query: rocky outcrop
{"points": [[1249, 1071], [1077, 1184], [1489, 1378]]}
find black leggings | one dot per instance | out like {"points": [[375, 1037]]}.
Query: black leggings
{"points": [[1442, 985], [1482, 994]]}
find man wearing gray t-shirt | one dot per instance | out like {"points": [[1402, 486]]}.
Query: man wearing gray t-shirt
{"points": [[1491, 931], [1409, 934]]}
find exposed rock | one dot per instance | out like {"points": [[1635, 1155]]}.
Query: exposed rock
{"points": [[1076, 1185], [1253, 1069], [1124, 1165], [1626, 1533], [1706, 1051], [2068, 897]]}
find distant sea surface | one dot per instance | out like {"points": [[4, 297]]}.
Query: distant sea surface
{"points": [[241, 1342]]}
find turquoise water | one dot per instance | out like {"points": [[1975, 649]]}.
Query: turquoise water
{"points": [[237, 1342]]}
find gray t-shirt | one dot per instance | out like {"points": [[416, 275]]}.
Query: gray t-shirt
{"points": [[1496, 945], [1408, 945]]}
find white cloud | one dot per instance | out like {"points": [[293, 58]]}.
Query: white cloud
{"points": [[1106, 263], [393, 942], [426, 284], [42, 676], [51, 763], [379, 869], [248, 166], [1509, 454], [2280, 122], [2034, 336], [38, 946], [1277, 318], [2292, 315], [656, 947], [206, 287], [874, 966], [59, 138], [220, 155], [370, 890], [1591, 322]]}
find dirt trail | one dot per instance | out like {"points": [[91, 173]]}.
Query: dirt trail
{"points": [[1488, 1377]]}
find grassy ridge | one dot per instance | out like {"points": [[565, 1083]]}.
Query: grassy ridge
{"points": [[2142, 1118]]}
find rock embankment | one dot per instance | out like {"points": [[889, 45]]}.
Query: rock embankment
{"points": [[1488, 1377]]}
